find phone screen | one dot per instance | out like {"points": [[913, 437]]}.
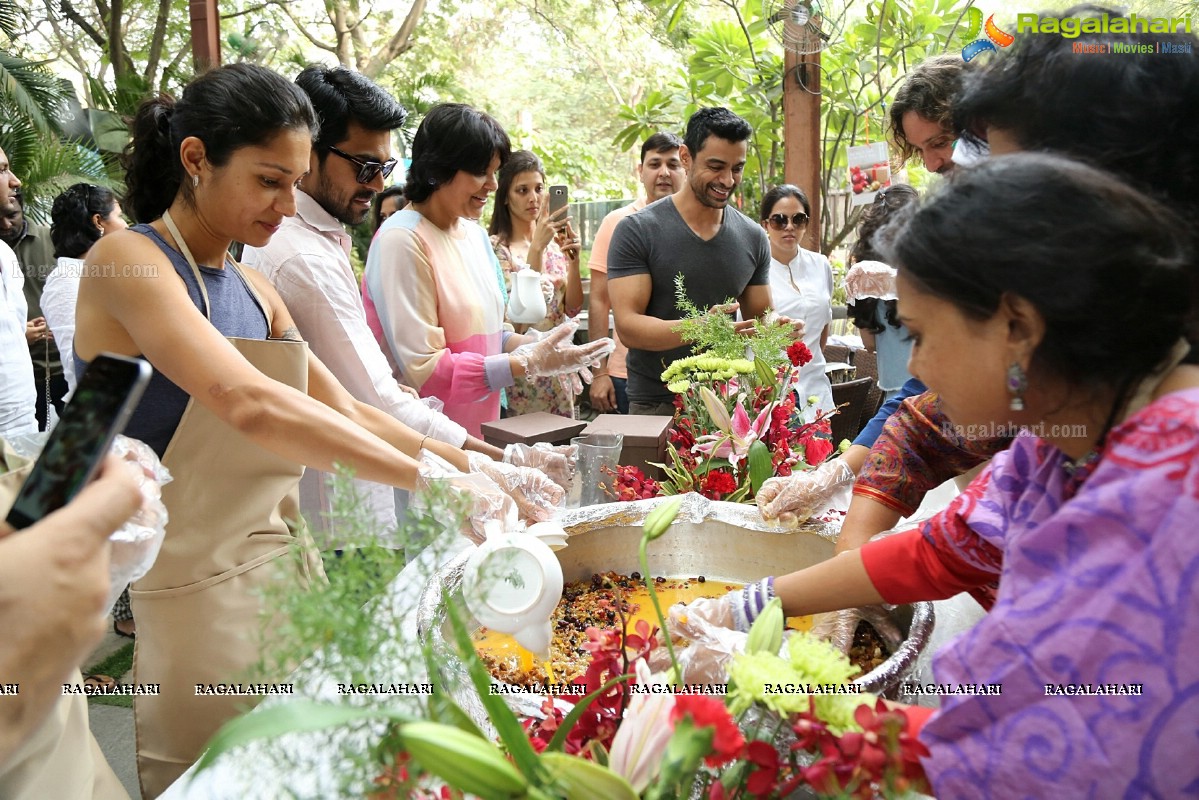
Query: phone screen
{"points": [[105, 397], [557, 198]]}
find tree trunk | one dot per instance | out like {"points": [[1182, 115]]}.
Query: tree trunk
{"points": [[397, 45], [156, 42]]}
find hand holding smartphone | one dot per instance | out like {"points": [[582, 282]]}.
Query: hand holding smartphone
{"points": [[108, 391]]}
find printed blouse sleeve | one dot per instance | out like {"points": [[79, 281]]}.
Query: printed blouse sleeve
{"points": [[918, 450]]}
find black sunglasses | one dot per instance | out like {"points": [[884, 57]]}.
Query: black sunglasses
{"points": [[779, 221], [367, 170]]}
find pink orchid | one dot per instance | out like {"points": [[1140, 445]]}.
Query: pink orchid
{"points": [[736, 433]]}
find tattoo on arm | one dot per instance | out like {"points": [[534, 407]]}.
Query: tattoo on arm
{"points": [[292, 334]]}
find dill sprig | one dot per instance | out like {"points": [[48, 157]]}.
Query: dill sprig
{"points": [[714, 333]]}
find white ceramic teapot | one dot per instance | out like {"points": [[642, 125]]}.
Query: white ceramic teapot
{"points": [[526, 301], [511, 584]]}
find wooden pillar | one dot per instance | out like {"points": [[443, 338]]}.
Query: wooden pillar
{"points": [[206, 34], [802, 152]]}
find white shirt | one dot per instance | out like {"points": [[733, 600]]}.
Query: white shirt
{"points": [[803, 290], [18, 397], [59, 297], [308, 263]]}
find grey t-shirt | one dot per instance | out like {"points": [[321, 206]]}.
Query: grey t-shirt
{"points": [[656, 241]]}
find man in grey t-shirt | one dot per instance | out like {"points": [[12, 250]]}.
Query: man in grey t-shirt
{"points": [[720, 252]]}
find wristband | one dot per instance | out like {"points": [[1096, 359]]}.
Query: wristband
{"points": [[748, 602]]}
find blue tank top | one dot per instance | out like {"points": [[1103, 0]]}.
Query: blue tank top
{"points": [[235, 312]]}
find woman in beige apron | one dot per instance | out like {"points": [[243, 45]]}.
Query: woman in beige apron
{"points": [[200, 606], [232, 418]]}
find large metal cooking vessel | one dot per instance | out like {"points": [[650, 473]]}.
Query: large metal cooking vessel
{"points": [[721, 541]]}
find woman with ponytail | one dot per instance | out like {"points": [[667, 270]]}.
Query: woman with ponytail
{"points": [[236, 405]]}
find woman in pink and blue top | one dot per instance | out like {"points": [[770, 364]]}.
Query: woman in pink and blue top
{"points": [[437, 288]]}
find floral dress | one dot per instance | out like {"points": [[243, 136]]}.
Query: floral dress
{"points": [[540, 394]]}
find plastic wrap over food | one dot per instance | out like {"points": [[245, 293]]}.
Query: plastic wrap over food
{"points": [[480, 496], [135, 544]]}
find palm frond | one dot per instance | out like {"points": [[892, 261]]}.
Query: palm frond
{"points": [[48, 165], [30, 91], [10, 18]]}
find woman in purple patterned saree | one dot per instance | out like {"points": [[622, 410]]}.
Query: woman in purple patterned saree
{"points": [[1048, 297]]}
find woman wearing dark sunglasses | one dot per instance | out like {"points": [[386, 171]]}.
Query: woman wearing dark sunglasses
{"points": [[801, 283]]}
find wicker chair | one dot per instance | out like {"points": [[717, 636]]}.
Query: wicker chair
{"points": [[837, 352], [866, 366], [851, 398]]}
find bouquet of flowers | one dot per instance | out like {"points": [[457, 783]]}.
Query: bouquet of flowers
{"points": [[738, 419]]}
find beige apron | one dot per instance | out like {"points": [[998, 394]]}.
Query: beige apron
{"points": [[61, 759], [234, 511]]}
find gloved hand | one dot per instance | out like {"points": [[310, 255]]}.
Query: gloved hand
{"points": [[791, 500], [135, 544], [556, 461], [479, 495], [711, 631], [536, 496], [838, 627], [554, 355]]}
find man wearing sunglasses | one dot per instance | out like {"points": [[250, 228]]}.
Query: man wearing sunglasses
{"points": [[308, 262]]}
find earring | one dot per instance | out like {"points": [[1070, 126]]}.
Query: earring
{"points": [[1017, 385], [195, 181]]}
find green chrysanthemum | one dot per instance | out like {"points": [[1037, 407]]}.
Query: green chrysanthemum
{"points": [[810, 661]]}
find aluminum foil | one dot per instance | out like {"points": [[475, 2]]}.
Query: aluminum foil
{"points": [[696, 508], [723, 541]]}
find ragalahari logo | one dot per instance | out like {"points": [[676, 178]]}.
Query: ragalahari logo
{"points": [[995, 37]]}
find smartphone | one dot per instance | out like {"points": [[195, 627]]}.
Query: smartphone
{"points": [[104, 398], [557, 198]]}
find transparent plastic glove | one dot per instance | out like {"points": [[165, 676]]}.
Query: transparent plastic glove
{"points": [[704, 640], [535, 495], [556, 461], [482, 499], [135, 544], [711, 630], [839, 627], [793, 499], [554, 354]]}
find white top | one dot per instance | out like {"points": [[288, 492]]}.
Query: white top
{"points": [[308, 263], [59, 297], [803, 290], [18, 397]]}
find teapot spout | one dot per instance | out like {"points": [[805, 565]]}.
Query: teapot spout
{"points": [[536, 639]]}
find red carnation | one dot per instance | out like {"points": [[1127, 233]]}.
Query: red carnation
{"points": [[816, 449], [708, 712], [718, 482], [799, 353]]}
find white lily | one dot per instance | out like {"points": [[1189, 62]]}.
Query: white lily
{"points": [[641, 741]]}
